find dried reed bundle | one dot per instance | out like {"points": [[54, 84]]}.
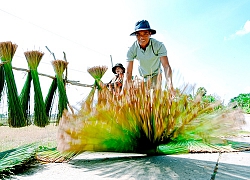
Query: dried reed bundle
{"points": [[51, 155], [25, 97], [40, 118], [151, 122], [97, 73], [59, 67], [16, 116]]}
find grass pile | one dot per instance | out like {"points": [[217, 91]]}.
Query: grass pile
{"points": [[16, 117], [12, 160], [149, 121], [59, 67], [40, 117]]}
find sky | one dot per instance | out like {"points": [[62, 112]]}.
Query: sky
{"points": [[208, 42]]}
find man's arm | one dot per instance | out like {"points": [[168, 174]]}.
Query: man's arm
{"points": [[128, 74], [129, 70], [167, 71]]}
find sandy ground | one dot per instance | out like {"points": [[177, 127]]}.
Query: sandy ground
{"points": [[111, 166], [14, 137]]}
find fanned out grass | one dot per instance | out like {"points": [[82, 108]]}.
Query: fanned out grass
{"points": [[25, 97], [143, 120], [52, 155], [50, 96], [13, 159], [1, 81], [16, 117], [40, 118], [59, 67], [97, 73]]}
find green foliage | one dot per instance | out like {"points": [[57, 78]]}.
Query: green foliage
{"points": [[242, 101], [206, 99]]}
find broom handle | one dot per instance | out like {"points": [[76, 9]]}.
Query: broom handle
{"points": [[111, 60]]}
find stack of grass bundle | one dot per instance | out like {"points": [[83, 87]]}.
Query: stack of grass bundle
{"points": [[146, 122], [50, 97], [97, 73], [16, 117], [25, 97], [40, 118], [59, 67]]}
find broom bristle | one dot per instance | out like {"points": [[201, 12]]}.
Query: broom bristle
{"points": [[59, 66], [33, 58], [142, 120]]}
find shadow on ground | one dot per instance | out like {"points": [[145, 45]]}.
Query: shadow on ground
{"points": [[138, 168]]}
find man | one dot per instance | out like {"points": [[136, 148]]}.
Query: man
{"points": [[150, 53]]}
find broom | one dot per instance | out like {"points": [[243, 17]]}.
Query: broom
{"points": [[16, 117], [153, 123], [40, 118], [59, 67]]}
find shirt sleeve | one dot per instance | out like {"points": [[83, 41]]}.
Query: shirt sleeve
{"points": [[131, 54], [162, 51]]}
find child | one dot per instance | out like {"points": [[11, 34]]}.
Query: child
{"points": [[115, 84]]}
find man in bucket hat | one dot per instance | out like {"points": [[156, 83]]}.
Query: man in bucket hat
{"points": [[150, 53]]}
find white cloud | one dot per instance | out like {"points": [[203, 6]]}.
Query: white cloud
{"points": [[245, 29]]}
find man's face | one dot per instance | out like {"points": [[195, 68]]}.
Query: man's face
{"points": [[143, 38]]}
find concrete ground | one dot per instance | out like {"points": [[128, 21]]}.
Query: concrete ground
{"points": [[111, 166]]}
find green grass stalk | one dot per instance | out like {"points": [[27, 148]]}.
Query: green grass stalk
{"points": [[50, 96], [40, 118], [16, 116], [59, 67], [25, 97]]}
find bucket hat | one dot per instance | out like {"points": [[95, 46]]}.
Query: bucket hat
{"points": [[118, 65], [142, 25]]}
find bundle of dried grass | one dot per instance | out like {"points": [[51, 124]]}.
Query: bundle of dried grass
{"points": [[16, 116], [151, 122], [97, 73], [40, 118], [59, 67]]}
